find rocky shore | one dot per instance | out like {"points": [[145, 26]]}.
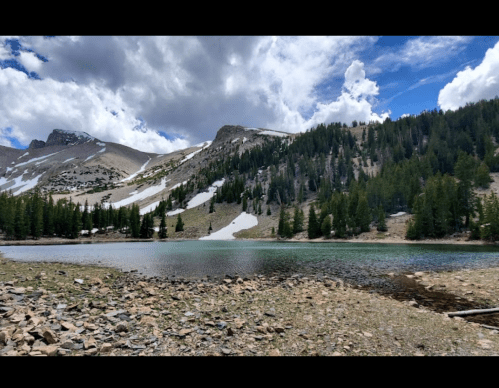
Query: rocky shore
{"points": [[54, 309]]}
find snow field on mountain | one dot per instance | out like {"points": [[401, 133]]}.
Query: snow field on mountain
{"points": [[136, 173], [241, 222]]}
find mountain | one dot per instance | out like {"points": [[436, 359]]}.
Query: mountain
{"points": [[438, 167], [76, 164]]}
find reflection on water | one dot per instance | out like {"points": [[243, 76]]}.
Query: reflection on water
{"points": [[358, 262]]}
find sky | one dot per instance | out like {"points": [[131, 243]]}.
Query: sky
{"points": [[164, 93]]}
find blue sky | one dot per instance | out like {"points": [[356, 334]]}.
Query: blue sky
{"points": [[161, 93]]}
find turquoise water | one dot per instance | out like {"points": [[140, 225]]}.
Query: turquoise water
{"points": [[354, 261]]}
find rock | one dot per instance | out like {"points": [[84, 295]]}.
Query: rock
{"points": [[230, 332], [106, 348], [221, 325], [49, 336], [279, 329], [274, 353], [49, 350], [89, 343], [148, 321], [121, 327], [18, 291], [79, 281], [114, 313], [67, 344], [4, 336], [68, 326]]}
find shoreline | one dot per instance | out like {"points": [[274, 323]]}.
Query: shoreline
{"points": [[46, 312], [62, 241]]}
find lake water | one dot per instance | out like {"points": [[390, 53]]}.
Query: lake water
{"points": [[358, 262]]}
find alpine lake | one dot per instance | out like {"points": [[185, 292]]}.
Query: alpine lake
{"points": [[362, 264]]}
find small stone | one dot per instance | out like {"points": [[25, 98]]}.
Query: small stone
{"points": [[225, 350], [49, 350], [274, 353], [67, 326], [121, 327], [184, 332], [4, 336], [79, 281], [49, 336], [106, 348]]}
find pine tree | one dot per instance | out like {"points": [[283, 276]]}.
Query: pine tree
{"points": [[135, 221], [268, 211], [37, 215], [162, 226], [212, 204], [381, 227], [298, 220], [20, 230], [363, 215], [280, 226], [482, 177], [245, 203], [326, 227], [313, 224], [180, 224], [259, 208], [76, 222]]}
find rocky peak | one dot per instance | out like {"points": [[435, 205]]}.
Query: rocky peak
{"points": [[229, 132], [36, 144], [65, 137]]}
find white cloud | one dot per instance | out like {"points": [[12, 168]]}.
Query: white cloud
{"points": [[30, 61], [472, 85], [354, 103], [183, 86], [421, 52], [33, 108]]}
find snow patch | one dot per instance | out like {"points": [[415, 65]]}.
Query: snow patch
{"points": [[34, 160], [205, 196], [27, 153], [175, 212], [67, 160], [149, 208], [398, 214], [137, 173], [178, 185], [236, 139], [150, 191], [102, 150], [190, 156], [273, 133], [21, 186], [90, 157], [245, 140], [241, 222], [101, 144]]}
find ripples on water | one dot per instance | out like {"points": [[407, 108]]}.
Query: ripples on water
{"points": [[360, 263]]}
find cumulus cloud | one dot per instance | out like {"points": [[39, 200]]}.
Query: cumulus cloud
{"points": [[128, 89], [472, 85], [37, 107], [354, 103]]}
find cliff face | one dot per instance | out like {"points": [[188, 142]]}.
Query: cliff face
{"points": [[61, 137], [36, 144]]}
